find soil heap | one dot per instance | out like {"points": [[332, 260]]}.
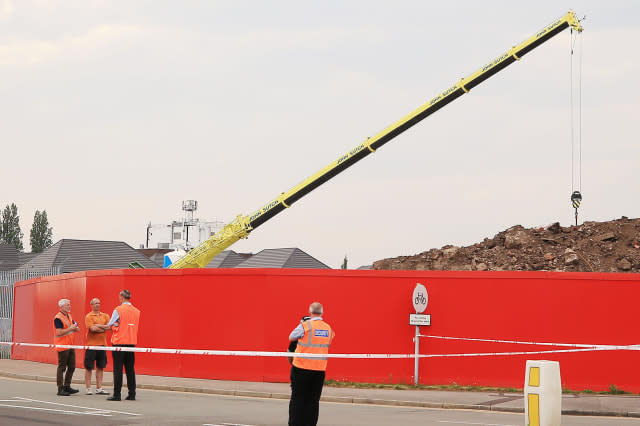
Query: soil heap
{"points": [[612, 246]]}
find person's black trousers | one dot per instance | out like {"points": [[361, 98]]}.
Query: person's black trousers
{"points": [[66, 361], [126, 359], [306, 388]]}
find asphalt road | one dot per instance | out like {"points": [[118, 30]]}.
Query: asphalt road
{"points": [[35, 403]]}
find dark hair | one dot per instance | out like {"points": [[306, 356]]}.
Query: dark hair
{"points": [[126, 294]]}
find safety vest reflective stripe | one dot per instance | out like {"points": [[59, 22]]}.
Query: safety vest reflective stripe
{"points": [[314, 345], [315, 357], [309, 330]]}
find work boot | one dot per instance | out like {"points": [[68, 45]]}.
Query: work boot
{"points": [[70, 390], [62, 392]]}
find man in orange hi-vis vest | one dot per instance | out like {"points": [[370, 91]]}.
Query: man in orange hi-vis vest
{"points": [[124, 324], [64, 328], [314, 336]]}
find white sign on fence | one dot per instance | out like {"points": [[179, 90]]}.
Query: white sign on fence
{"points": [[419, 319], [420, 298]]}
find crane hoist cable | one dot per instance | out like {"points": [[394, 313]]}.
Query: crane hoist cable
{"points": [[576, 141]]}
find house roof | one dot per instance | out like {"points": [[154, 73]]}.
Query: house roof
{"points": [[8, 257], [155, 254], [25, 257], [150, 252], [282, 258], [83, 255], [227, 259]]}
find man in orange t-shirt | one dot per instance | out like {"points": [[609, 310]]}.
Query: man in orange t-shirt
{"points": [[96, 327]]}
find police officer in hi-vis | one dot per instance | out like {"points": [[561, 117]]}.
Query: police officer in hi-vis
{"points": [[314, 336]]}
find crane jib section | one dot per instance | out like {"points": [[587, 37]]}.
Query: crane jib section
{"points": [[439, 101]]}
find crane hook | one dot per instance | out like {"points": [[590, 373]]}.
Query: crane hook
{"points": [[576, 198]]}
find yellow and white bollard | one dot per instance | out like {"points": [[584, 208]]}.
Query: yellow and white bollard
{"points": [[542, 394]]}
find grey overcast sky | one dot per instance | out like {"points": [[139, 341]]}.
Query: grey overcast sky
{"points": [[113, 112]]}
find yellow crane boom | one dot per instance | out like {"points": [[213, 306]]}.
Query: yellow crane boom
{"points": [[241, 226]]}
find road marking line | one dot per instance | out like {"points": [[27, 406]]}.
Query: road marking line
{"points": [[76, 406], [234, 424], [53, 409], [470, 423], [224, 424]]}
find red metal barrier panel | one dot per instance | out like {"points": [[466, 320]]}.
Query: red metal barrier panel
{"points": [[256, 309], [35, 307]]}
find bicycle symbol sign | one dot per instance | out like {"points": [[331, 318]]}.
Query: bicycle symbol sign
{"points": [[420, 298]]}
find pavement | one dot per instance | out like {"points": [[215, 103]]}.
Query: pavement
{"points": [[572, 404]]}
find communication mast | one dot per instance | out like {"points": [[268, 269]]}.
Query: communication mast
{"points": [[189, 206]]}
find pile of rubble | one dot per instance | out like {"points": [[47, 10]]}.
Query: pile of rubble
{"points": [[612, 246]]}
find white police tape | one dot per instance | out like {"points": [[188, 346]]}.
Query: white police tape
{"points": [[520, 342], [205, 351], [211, 352]]}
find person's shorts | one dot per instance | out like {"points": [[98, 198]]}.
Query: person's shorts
{"points": [[95, 358]]}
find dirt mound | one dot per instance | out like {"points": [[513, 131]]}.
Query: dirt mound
{"points": [[612, 246]]}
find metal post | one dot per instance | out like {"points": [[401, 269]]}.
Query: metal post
{"points": [[417, 340]]}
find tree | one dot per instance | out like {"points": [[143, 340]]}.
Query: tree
{"points": [[40, 232], [344, 263], [10, 232]]}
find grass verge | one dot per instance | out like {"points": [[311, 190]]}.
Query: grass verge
{"points": [[613, 389]]}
